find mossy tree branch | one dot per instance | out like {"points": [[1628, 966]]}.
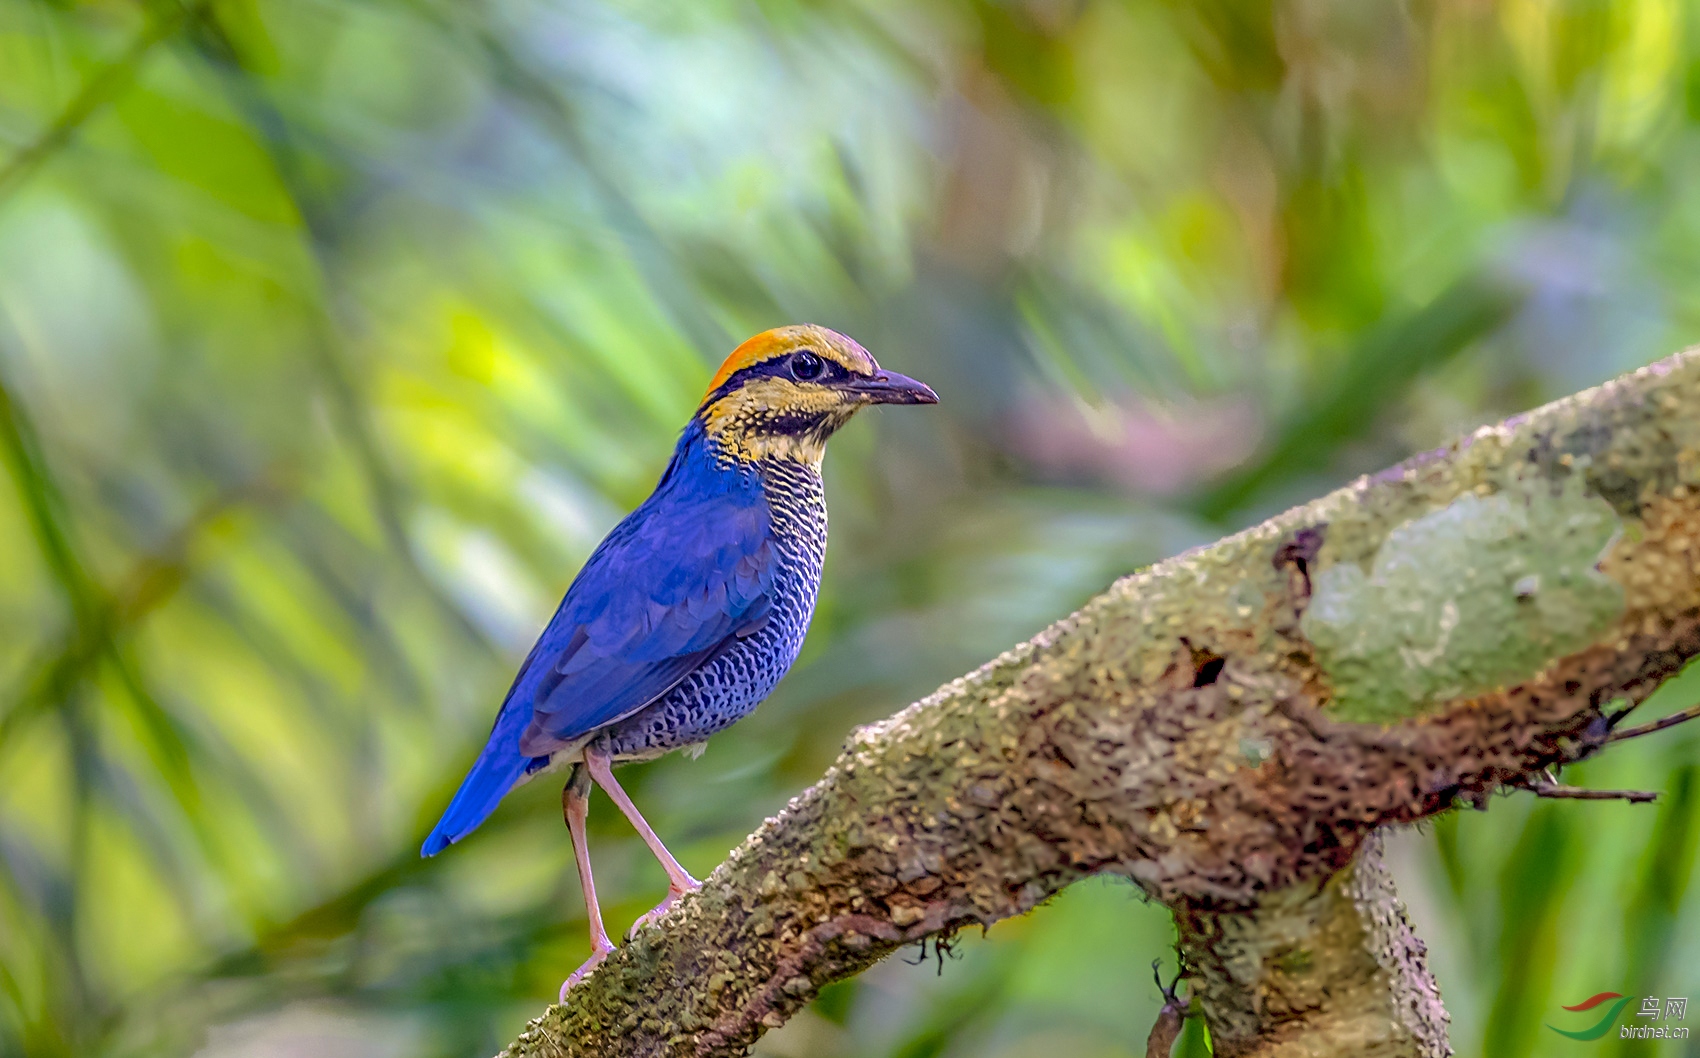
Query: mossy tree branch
{"points": [[1227, 729]]}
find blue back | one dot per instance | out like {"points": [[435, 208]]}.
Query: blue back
{"points": [[685, 576]]}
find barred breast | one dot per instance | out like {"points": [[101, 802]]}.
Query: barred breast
{"points": [[730, 687]]}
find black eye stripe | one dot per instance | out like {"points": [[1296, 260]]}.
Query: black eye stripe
{"points": [[779, 367]]}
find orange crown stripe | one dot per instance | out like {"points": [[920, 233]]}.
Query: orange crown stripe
{"points": [[762, 347]]}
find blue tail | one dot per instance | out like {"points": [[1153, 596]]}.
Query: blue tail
{"points": [[498, 768]]}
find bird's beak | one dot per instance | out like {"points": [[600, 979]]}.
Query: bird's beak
{"points": [[889, 387]]}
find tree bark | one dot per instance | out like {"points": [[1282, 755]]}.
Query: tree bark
{"points": [[1227, 729], [1317, 968]]}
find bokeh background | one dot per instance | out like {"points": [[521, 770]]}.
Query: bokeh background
{"points": [[334, 334]]}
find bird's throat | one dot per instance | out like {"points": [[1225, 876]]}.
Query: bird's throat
{"points": [[764, 449]]}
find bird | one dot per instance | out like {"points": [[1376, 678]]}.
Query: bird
{"points": [[692, 608]]}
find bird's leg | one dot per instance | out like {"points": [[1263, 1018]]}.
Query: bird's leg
{"points": [[678, 882], [575, 805]]}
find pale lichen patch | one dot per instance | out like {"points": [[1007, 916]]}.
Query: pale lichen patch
{"points": [[1465, 600]]}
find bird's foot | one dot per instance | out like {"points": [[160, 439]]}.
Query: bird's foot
{"points": [[655, 913], [589, 966]]}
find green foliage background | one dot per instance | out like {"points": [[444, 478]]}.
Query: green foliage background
{"points": [[334, 333]]}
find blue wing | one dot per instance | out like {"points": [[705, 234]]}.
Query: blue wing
{"points": [[661, 597], [684, 577]]}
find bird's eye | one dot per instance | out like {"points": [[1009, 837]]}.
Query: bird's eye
{"points": [[806, 366]]}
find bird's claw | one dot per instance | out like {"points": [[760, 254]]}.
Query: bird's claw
{"points": [[656, 913], [585, 970]]}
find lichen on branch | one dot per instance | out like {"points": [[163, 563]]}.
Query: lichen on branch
{"points": [[1227, 729]]}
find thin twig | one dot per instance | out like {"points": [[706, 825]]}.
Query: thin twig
{"points": [[1172, 1017], [1578, 793], [1660, 724]]}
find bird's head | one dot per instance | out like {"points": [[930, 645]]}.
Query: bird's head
{"points": [[783, 393]]}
